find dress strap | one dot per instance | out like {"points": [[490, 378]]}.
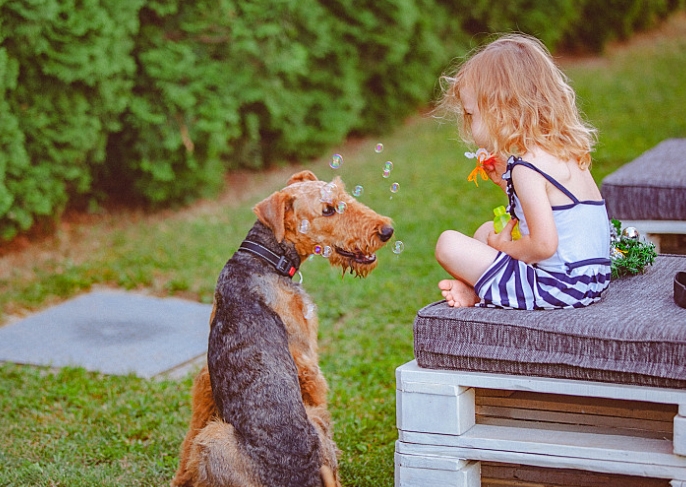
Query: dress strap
{"points": [[520, 162]]}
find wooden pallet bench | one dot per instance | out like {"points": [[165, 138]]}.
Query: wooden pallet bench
{"points": [[649, 193], [599, 391]]}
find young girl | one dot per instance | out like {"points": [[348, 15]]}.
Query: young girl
{"points": [[511, 99]]}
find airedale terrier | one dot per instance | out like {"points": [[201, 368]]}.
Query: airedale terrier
{"points": [[259, 414]]}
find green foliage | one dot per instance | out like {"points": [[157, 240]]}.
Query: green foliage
{"points": [[547, 20], [601, 22], [630, 255], [65, 79], [153, 102]]}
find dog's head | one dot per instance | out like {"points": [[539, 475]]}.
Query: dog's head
{"points": [[321, 218]]}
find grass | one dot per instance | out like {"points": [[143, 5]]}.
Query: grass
{"points": [[74, 428]]}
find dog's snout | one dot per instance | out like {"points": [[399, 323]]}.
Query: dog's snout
{"points": [[386, 233]]}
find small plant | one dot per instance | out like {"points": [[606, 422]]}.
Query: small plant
{"points": [[629, 253]]}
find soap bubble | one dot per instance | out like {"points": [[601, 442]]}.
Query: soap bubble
{"points": [[327, 193], [327, 251], [341, 207], [317, 249], [388, 166], [386, 173], [310, 311], [304, 226], [378, 148], [395, 187], [357, 192], [398, 247], [336, 161]]}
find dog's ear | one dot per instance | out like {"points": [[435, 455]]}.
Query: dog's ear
{"points": [[301, 177], [272, 212]]}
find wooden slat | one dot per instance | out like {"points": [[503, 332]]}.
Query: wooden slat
{"points": [[509, 475], [553, 448], [627, 417], [558, 402], [412, 372]]}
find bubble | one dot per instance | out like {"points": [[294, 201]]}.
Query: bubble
{"points": [[379, 148], [310, 311], [386, 173], [388, 166], [336, 161], [357, 192], [395, 187], [304, 226], [398, 247], [341, 207], [317, 249], [327, 193], [327, 251]]}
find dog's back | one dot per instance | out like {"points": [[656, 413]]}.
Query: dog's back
{"points": [[254, 378]]}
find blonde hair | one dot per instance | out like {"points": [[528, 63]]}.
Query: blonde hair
{"points": [[524, 99]]}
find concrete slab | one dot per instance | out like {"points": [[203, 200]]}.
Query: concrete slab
{"points": [[112, 332]]}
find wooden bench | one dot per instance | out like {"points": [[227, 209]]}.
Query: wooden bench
{"points": [[649, 193], [507, 395]]}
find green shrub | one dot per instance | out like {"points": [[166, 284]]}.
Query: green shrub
{"points": [[602, 22], [65, 70], [548, 20], [155, 101]]}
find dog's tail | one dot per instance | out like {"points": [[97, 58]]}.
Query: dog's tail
{"points": [[328, 479]]}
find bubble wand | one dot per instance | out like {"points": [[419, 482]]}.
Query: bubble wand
{"points": [[483, 160]]}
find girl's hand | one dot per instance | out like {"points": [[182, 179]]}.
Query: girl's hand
{"points": [[498, 240], [495, 168]]}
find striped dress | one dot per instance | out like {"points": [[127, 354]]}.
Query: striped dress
{"points": [[574, 277]]}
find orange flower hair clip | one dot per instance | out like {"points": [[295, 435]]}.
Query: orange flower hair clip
{"points": [[483, 160]]}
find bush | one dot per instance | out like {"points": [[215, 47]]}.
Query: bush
{"points": [[65, 72], [153, 101], [602, 22]]}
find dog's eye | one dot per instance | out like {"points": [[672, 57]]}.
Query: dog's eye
{"points": [[328, 210]]}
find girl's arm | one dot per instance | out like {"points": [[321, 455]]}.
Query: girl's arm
{"points": [[542, 240]]}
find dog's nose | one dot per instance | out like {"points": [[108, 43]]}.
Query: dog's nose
{"points": [[386, 233]]}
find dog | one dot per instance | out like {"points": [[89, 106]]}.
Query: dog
{"points": [[259, 406]]}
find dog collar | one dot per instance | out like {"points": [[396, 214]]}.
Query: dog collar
{"points": [[283, 265]]}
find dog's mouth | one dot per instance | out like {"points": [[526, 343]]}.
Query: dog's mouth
{"points": [[357, 257]]}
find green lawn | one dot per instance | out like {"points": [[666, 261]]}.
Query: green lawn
{"points": [[73, 428]]}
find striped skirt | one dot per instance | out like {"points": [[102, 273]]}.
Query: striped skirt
{"points": [[509, 283]]}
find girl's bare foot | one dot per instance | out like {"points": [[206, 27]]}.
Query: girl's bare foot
{"points": [[457, 293]]}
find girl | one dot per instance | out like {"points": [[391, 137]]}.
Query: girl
{"points": [[511, 99]]}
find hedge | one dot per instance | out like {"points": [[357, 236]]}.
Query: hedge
{"points": [[154, 101]]}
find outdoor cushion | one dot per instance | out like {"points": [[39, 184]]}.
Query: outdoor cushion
{"points": [[652, 187], [636, 334]]}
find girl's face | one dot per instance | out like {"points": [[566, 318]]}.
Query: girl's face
{"points": [[472, 116]]}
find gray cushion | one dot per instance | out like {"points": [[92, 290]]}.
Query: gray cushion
{"points": [[652, 187], [636, 334]]}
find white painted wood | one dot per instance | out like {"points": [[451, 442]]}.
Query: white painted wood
{"points": [[656, 226], [620, 466], [411, 372], [539, 424], [435, 471], [679, 434], [441, 409], [531, 440]]}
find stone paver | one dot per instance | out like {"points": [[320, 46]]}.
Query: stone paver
{"points": [[112, 332]]}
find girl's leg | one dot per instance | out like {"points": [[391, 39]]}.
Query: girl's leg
{"points": [[466, 259]]}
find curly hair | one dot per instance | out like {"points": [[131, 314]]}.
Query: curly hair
{"points": [[524, 99]]}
